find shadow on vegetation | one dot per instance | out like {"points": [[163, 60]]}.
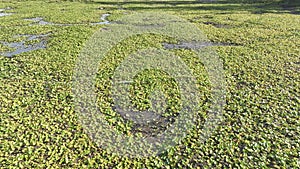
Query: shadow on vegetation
{"points": [[253, 6]]}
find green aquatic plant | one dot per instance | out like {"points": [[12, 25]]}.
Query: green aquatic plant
{"points": [[39, 127]]}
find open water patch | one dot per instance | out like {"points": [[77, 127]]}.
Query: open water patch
{"points": [[103, 20], [25, 45], [194, 45], [3, 13], [41, 21]]}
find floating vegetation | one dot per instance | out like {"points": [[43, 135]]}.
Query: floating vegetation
{"points": [[39, 126], [193, 45]]}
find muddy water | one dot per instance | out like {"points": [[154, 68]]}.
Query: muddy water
{"points": [[21, 47], [217, 25]]}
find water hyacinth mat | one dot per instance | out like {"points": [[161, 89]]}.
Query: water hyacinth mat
{"points": [[43, 124]]}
